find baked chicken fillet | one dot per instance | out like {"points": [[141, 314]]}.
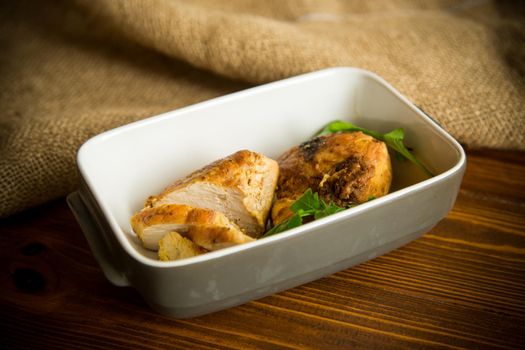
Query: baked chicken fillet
{"points": [[346, 168], [241, 186], [206, 228]]}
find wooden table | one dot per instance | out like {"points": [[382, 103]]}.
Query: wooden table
{"points": [[460, 286]]}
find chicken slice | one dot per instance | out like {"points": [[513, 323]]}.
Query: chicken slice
{"points": [[174, 247], [346, 168], [207, 228], [241, 186]]}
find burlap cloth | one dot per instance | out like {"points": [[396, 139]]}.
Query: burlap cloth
{"points": [[69, 70]]}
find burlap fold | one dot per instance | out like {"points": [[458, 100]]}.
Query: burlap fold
{"points": [[69, 70]]}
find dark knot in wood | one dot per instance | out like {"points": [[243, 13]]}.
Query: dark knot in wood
{"points": [[28, 280]]}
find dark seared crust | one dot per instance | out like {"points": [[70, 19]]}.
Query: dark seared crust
{"points": [[346, 181], [346, 168], [291, 180], [309, 148]]}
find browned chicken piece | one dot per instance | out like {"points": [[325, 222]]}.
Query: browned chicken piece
{"points": [[346, 168], [173, 246], [241, 186], [207, 228]]}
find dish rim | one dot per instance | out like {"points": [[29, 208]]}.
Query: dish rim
{"points": [[305, 229]]}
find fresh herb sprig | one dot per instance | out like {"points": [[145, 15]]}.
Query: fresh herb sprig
{"points": [[308, 205], [394, 139]]}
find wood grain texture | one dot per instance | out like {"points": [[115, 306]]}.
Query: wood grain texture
{"points": [[461, 286]]}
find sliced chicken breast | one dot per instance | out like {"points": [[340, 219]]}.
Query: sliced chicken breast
{"points": [[241, 186], [346, 168], [207, 228], [173, 246]]}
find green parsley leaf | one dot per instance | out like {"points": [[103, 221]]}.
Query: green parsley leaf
{"points": [[341, 126], [308, 205], [395, 140], [294, 221], [328, 209]]}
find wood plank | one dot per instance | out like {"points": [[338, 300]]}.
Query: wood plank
{"points": [[461, 285]]}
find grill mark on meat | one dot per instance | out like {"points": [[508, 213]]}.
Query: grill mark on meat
{"points": [[309, 148], [345, 181]]}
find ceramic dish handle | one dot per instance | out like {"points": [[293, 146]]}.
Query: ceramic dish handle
{"points": [[96, 240]]}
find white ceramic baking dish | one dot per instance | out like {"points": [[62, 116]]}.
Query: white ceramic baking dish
{"points": [[122, 167]]}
